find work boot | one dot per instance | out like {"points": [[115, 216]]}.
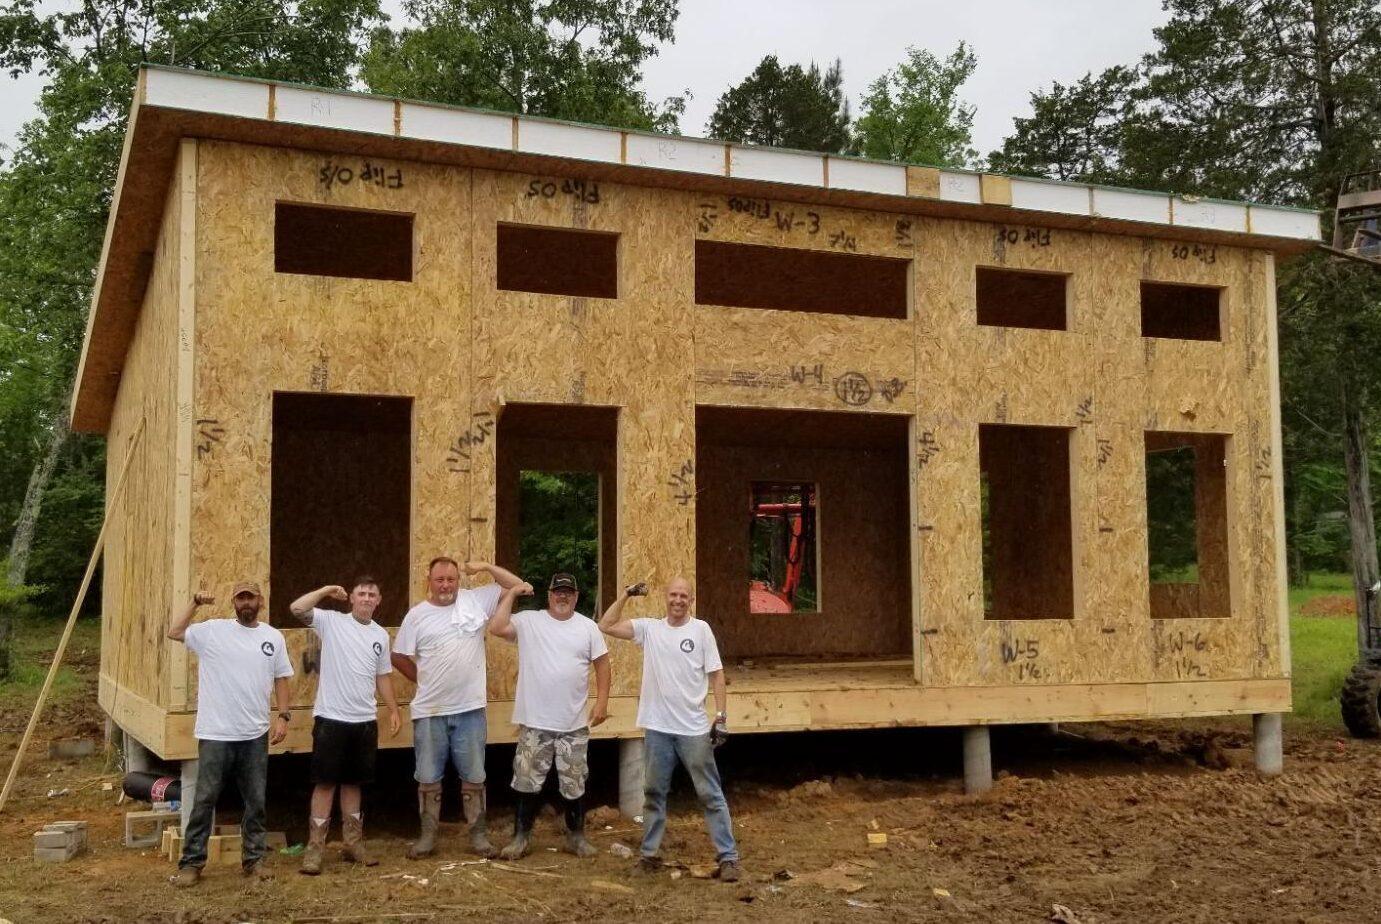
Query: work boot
{"points": [[316, 846], [523, 812], [257, 870], [729, 871], [186, 877], [473, 804], [648, 866], [575, 829], [352, 834], [429, 811]]}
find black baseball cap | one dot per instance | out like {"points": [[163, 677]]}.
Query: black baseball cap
{"points": [[563, 581]]}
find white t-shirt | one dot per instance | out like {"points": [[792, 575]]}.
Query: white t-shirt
{"points": [[554, 658], [352, 656], [677, 662], [450, 657], [236, 667]]}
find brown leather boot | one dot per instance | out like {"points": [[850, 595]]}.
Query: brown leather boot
{"points": [[316, 846], [429, 810], [352, 832]]}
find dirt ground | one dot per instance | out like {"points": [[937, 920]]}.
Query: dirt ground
{"points": [[1092, 823]]}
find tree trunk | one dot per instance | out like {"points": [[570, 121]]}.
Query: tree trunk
{"points": [[22, 543], [1361, 526], [23, 540]]}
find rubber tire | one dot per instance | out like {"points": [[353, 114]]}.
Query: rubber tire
{"points": [[1360, 699]]}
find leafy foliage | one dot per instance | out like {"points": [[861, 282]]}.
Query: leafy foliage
{"points": [[558, 530], [565, 59], [790, 107], [913, 113]]}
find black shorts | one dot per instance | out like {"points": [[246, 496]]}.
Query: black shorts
{"points": [[343, 752]]}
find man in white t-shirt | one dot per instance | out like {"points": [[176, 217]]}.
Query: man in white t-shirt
{"points": [[240, 662], [345, 729], [440, 647], [680, 661], [556, 649]]}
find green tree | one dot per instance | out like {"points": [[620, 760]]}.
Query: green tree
{"points": [[1076, 132], [913, 112], [564, 59], [54, 197], [790, 107]]}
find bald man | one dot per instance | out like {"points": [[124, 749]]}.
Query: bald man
{"points": [[680, 662]]}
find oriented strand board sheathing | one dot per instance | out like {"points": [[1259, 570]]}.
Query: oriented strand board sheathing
{"points": [[762, 358], [464, 350], [1110, 385], [259, 331], [138, 577]]}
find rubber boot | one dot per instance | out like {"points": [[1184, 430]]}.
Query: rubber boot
{"points": [[312, 857], [524, 811], [473, 805], [575, 829], [352, 834], [429, 810]]}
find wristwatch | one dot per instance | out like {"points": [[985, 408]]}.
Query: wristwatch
{"points": [[285, 716], [720, 716]]}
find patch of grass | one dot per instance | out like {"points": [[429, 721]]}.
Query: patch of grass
{"points": [[34, 642], [1322, 651]]}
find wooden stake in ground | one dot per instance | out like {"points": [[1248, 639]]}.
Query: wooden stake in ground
{"points": [[71, 617]]}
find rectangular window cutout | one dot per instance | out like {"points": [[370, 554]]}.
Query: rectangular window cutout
{"points": [[314, 240], [1186, 524], [558, 261], [1028, 561], [790, 279], [1013, 298], [783, 562], [557, 477], [337, 512], [759, 475], [1181, 312]]}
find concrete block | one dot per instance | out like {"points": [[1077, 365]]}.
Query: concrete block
{"points": [[56, 854], [48, 839], [145, 829]]}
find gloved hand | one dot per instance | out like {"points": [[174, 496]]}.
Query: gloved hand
{"points": [[719, 731]]}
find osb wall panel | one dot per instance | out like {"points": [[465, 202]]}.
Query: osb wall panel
{"points": [[138, 563], [765, 358], [259, 331], [462, 349], [1105, 381], [634, 351], [864, 558]]}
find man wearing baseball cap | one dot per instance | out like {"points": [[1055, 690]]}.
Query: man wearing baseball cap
{"points": [[240, 662], [556, 648]]}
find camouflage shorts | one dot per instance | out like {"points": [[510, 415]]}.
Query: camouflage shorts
{"points": [[538, 750]]}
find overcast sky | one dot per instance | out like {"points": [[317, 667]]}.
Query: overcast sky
{"points": [[1021, 45]]}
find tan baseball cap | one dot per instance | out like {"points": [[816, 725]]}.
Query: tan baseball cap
{"points": [[245, 587]]}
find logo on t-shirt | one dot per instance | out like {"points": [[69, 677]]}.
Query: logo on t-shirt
{"points": [[687, 645], [378, 649], [267, 649]]}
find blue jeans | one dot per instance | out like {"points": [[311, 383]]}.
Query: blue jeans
{"points": [[461, 737], [661, 751], [247, 762]]}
